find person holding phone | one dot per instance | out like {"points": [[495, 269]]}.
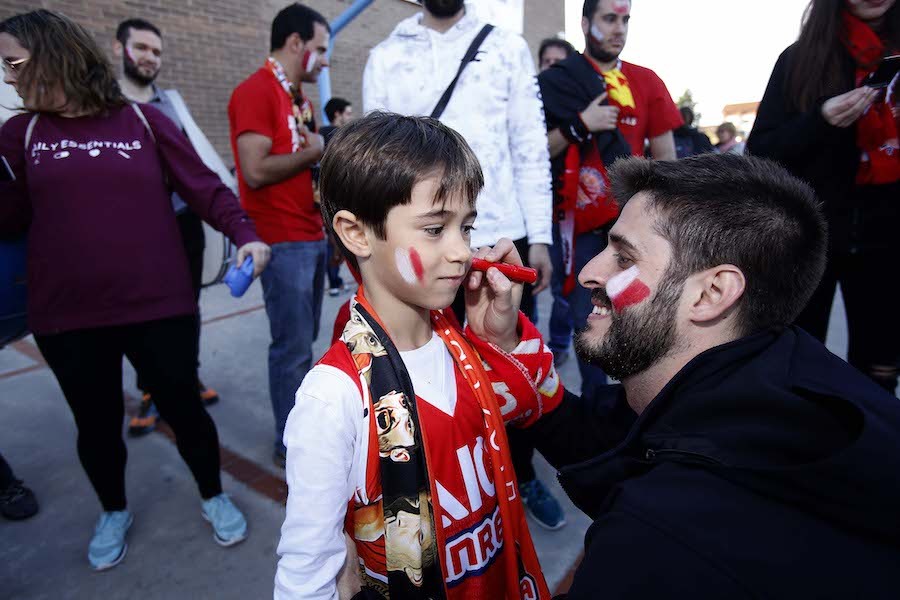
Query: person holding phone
{"points": [[107, 273], [820, 120]]}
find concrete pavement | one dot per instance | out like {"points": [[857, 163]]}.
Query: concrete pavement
{"points": [[171, 551]]}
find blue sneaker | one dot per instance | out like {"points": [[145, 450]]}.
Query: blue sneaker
{"points": [[108, 547], [543, 507], [229, 524]]}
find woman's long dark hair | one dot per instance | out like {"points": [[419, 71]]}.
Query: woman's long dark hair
{"points": [[817, 68], [64, 57]]}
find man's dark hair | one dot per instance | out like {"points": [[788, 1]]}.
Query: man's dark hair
{"points": [[334, 106], [717, 209], [295, 18], [123, 31], [568, 48], [372, 165], [687, 114]]}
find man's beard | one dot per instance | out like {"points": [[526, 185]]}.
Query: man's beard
{"points": [[639, 336], [444, 8], [133, 73], [595, 49]]}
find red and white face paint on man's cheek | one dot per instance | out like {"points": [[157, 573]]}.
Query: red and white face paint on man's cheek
{"points": [[409, 264], [626, 289], [309, 60], [621, 7]]}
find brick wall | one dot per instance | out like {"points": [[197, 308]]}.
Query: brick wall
{"points": [[212, 45]]}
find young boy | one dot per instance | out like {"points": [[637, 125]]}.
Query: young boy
{"points": [[397, 435]]}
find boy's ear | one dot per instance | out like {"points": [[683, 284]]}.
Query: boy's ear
{"points": [[118, 49], [352, 233]]}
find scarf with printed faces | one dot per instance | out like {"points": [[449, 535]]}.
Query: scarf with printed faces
{"points": [[405, 485], [876, 130]]}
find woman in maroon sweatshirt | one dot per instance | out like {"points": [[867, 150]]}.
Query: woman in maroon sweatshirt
{"points": [[107, 273]]}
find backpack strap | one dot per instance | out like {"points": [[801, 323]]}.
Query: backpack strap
{"points": [[470, 55], [140, 114], [30, 130]]}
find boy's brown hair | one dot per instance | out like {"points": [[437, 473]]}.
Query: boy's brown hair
{"points": [[372, 165]]}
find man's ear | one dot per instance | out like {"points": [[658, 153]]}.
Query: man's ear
{"points": [[585, 25], [118, 49], [715, 293], [352, 233]]}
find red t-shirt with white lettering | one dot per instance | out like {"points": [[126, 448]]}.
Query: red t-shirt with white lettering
{"points": [[654, 114], [284, 211]]}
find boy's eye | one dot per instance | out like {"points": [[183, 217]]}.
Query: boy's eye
{"points": [[434, 231], [468, 229]]}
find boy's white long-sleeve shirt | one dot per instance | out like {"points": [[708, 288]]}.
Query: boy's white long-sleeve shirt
{"points": [[496, 107], [326, 464]]}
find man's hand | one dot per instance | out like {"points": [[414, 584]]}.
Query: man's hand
{"points": [[844, 110], [600, 117], [539, 258], [492, 300], [260, 252]]}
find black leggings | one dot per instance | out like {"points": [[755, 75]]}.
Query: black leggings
{"points": [[88, 365]]}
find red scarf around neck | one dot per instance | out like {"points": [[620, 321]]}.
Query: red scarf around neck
{"points": [[876, 130]]}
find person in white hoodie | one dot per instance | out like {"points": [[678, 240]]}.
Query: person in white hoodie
{"points": [[496, 106]]}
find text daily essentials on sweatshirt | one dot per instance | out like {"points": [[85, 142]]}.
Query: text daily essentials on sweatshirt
{"points": [[94, 195]]}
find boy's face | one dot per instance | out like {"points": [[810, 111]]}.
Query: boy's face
{"points": [[426, 253]]}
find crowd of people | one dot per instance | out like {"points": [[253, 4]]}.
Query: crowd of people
{"points": [[735, 457]]}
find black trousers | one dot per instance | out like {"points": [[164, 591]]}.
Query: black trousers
{"points": [[873, 321], [6, 474], [88, 365], [191, 228]]}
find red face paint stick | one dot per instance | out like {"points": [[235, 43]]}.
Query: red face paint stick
{"points": [[513, 272]]}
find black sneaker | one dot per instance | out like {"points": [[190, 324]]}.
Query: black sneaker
{"points": [[17, 502]]}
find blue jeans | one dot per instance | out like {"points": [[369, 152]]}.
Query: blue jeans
{"points": [[587, 246], [560, 313], [293, 285]]}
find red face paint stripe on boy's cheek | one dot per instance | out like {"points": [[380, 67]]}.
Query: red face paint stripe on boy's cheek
{"points": [[416, 262], [637, 291]]}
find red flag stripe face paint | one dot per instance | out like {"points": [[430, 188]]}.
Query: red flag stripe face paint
{"points": [[621, 7], [409, 264], [416, 262], [625, 289]]}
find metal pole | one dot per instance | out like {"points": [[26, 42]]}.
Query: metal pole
{"points": [[342, 21]]}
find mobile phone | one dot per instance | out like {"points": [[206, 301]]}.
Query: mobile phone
{"points": [[6, 173], [885, 72]]}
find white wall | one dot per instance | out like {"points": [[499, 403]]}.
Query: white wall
{"points": [[9, 100]]}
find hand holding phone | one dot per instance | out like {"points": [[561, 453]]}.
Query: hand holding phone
{"points": [[885, 72]]}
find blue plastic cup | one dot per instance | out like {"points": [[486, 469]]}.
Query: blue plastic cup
{"points": [[240, 278]]}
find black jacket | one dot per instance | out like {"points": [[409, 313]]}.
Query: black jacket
{"points": [[690, 141], [827, 158], [766, 468], [566, 89]]}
